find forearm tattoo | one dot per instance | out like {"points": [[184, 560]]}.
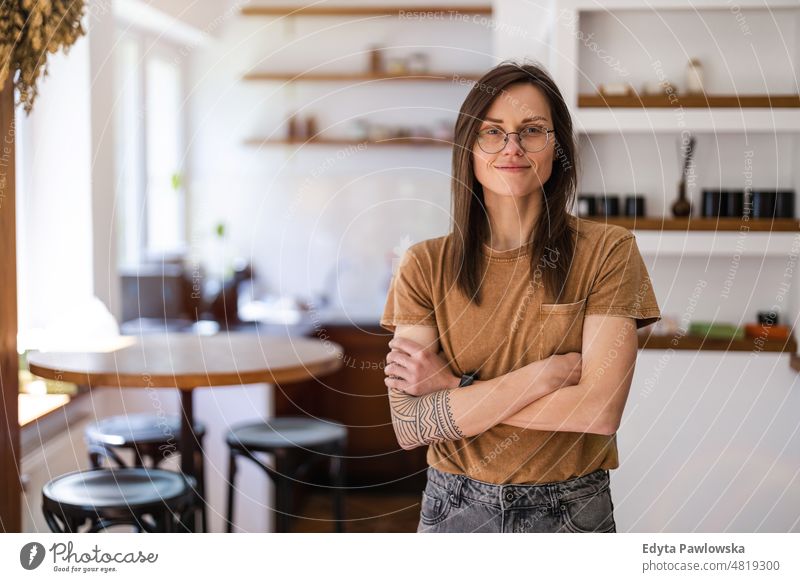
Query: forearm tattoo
{"points": [[419, 420]]}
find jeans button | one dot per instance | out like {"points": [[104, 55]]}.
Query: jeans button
{"points": [[509, 496]]}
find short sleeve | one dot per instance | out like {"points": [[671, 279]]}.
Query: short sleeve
{"points": [[623, 287], [409, 300]]}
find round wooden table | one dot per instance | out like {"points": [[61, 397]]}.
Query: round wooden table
{"points": [[187, 361]]}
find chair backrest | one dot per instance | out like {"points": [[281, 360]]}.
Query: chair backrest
{"points": [[157, 291]]}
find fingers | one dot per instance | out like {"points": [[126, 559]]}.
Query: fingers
{"points": [[395, 383], [408, 346], [398, 365], [398, 357], [397, 371]]}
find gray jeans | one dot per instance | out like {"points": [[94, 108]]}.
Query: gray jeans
{"points": [[456, 503]]}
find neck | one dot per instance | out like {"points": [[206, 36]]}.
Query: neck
{"points": [[511, 219]]}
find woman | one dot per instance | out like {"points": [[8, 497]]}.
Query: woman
{"points": [[535, 313]]}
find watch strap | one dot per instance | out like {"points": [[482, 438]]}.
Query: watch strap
{"points": [[467, 379]]}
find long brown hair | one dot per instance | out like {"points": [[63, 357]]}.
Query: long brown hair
{"points": [[553, 237]]}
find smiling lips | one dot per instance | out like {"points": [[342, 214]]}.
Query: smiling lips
{"points": [[512, 168]]}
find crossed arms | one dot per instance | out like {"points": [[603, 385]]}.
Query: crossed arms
{"points": [[573, 392]]}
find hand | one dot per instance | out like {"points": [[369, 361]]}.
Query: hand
{"points": [[561, 370], [414, 370]]}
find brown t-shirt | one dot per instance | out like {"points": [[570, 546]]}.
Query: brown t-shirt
{"points": [[517, 324]]}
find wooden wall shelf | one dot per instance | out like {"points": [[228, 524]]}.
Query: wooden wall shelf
{"points": [[393, 141], [688, 342], [702, 224], [389, 10], [344, 77], [690, 101]]}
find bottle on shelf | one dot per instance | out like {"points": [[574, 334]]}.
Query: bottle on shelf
{"points": [[375, 59], [694, 77], [311, 127], [682, 207], [294, 128]]}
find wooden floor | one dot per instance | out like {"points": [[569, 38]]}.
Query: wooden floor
{"points": [[365, 513]]}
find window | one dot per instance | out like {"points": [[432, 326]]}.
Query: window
{"points": [[152, 218]]}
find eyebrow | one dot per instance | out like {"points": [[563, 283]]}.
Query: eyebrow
{"points": [[534, 118]]}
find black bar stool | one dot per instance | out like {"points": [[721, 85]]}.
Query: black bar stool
{"points": [[289, 438], [151, 500], [151, 437]]}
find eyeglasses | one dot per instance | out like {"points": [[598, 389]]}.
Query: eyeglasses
{"points": [[532, 139]]}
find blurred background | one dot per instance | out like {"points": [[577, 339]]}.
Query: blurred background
{"points": [[210, 166]]}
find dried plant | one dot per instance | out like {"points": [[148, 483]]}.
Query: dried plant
{"points": [[29, 29]]}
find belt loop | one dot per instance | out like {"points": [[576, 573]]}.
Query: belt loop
{"points": [[554, 497], [455, 493]]}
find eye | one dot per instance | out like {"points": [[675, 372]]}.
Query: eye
{"points": [[490, 131], [532, 130]]}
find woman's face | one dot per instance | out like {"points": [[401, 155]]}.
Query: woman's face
{"points": [[513, 171]]}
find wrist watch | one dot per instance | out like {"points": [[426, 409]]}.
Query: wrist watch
{"points": [[468, 378]]}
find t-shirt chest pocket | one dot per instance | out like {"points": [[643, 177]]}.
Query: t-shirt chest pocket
{"points": [[560, 328]]}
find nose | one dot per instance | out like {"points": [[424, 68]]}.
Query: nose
{"points": [[515, 145]]}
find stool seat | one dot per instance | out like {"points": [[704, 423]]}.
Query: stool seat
{"points": [[285, 432], [152, 439], [109, 488], [297, 442], [150, 500], [138, 428]]}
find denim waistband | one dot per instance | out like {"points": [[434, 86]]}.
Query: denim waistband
{"points": [[518, 496]]}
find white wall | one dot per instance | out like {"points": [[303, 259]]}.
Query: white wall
{"points": [[524, 30], [295, 214], [709, 443], [752, 60]]}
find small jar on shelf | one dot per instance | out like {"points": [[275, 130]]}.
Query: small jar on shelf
{"points": [[634, 205], [417, 63], [396, 66]]}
